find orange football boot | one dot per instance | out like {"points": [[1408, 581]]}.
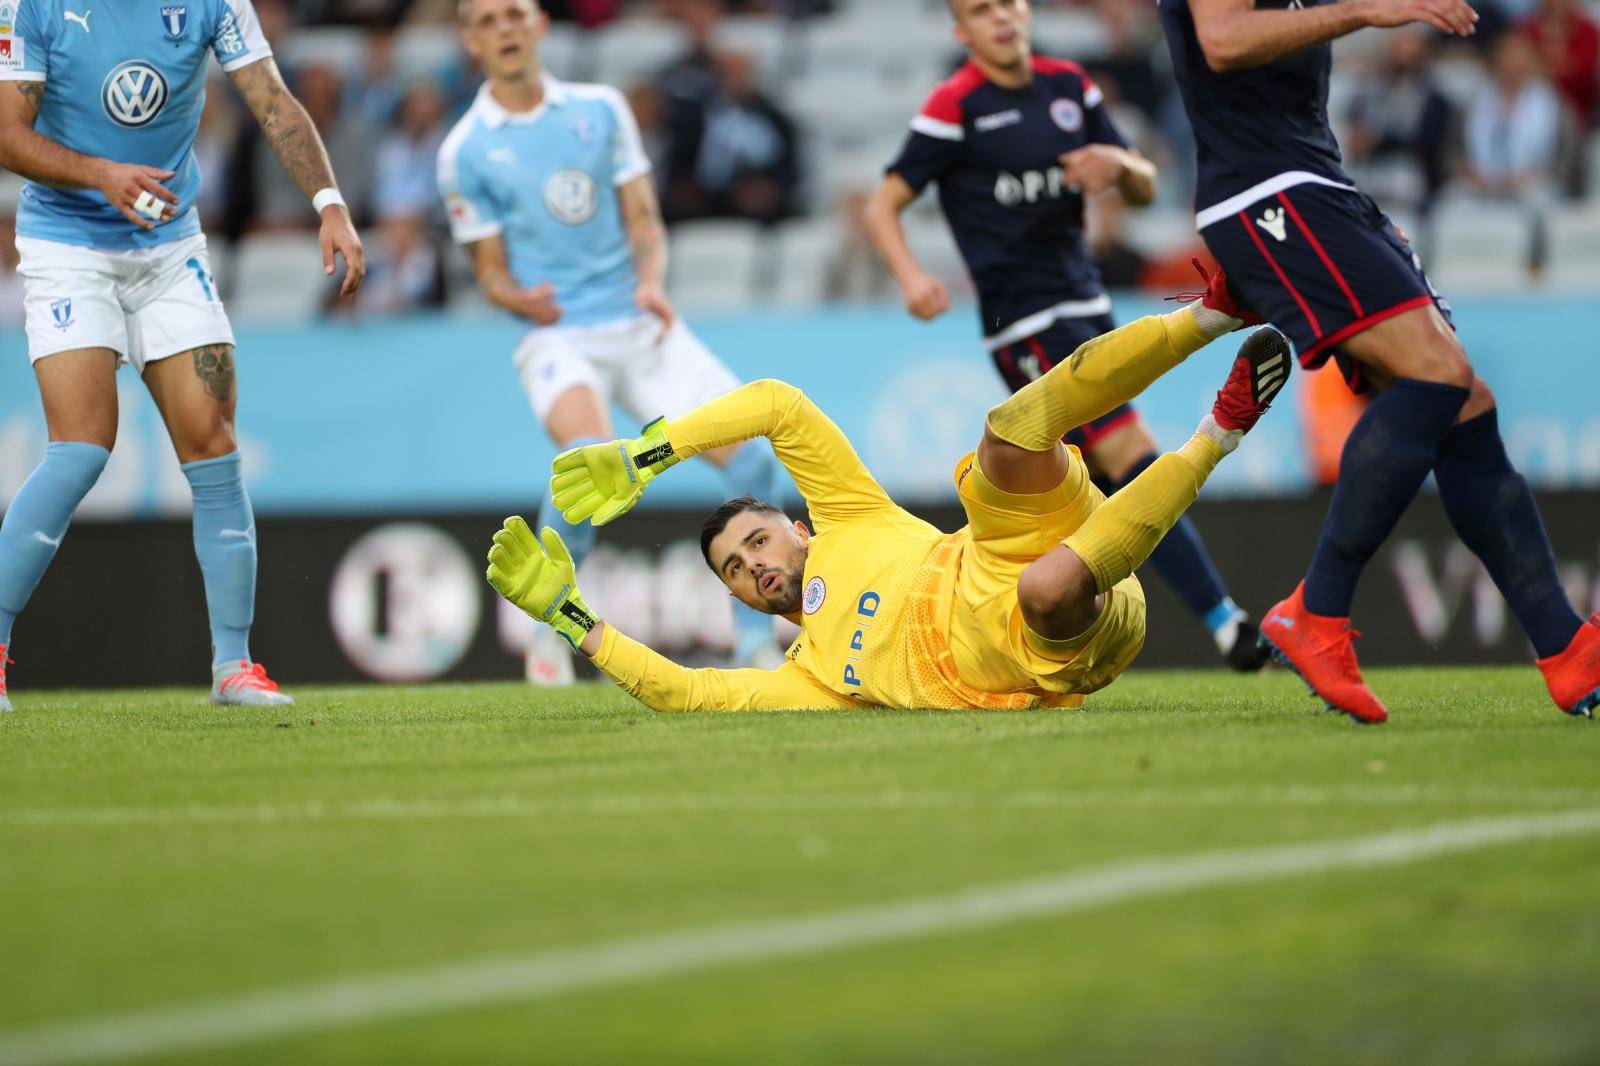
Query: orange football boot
{"points": [[1322, 651], [1573, 675]]}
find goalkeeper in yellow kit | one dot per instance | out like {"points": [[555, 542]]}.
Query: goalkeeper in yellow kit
{"points": [[1033, 603]]}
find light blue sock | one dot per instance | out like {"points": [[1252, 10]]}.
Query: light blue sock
{"points": [[37, 520], [225, 543], [754, 469], [579, 539]]}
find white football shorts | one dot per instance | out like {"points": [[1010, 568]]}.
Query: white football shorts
{"points": [[145, 304], [627, 362]]}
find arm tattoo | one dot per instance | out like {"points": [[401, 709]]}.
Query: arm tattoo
{"points": [[641, 215], [287, 128], [33, 95], [213, 365]]}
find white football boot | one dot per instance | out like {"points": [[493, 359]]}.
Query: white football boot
{"points": [[241, 683], [549, 659]]}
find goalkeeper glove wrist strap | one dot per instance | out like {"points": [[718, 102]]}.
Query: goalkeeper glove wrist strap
{"points": [[577, 615]]}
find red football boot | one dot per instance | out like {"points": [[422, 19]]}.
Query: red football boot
{"points": [[1573, 675], [1322, 651], [1219, 296], [5, 704], [1259, 372]]}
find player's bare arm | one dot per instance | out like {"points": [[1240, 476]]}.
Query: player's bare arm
{"points": [[493, 272], [32, 155], [293, 138], [1098, 168], [1237, 36], [647, 237], [925, 295]]}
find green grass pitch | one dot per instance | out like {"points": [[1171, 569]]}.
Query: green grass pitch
{"points": [[158, 854]]}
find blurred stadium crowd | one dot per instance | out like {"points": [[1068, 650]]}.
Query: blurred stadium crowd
{"points": [[770, 120]]}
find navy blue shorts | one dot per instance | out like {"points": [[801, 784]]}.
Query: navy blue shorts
{"points": [[1322, 264], [1027, 359]]}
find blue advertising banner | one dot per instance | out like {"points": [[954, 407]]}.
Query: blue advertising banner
{"points": [[427, 414]]}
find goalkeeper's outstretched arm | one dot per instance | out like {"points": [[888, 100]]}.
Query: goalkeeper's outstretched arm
{"points": [[537, 575], [601, 482]]}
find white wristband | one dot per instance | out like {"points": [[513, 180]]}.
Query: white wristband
{"points": [[327, 196]]}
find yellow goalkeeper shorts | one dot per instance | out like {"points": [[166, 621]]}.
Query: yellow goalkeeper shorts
{"points": [[1009, 531]]}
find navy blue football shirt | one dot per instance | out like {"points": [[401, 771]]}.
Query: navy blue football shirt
{"points": [[995, 154], [1265, 125]]}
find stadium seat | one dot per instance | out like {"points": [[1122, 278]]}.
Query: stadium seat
{"points": [[1575, 250], [631, 50], [802, 252], [344, 48], [278, 278], [1479, 248], [715, 264]]}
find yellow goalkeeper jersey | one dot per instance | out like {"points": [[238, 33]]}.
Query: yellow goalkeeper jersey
{"points": [[877, 590]]}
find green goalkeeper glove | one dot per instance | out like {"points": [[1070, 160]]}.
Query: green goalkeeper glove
{"points": [[540, 579], [602, 482]]}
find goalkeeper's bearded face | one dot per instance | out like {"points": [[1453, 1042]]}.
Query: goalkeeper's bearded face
{"points": [[761, 557]]}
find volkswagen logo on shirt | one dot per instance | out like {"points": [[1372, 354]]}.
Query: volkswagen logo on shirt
{"points": [[133, 94], [571, 196]]}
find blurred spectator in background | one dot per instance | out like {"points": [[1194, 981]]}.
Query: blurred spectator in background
{"points": [[276, 203], [377, 96], [1513, 135], [746, 151], [1569, 41], [219, 131], [1133, 45], [650, 114], [405, 272], [1399, 125], [1513, 127], [855, 271], [403, 173]]}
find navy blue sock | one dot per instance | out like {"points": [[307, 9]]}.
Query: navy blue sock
{"points": [[1181, 558], [1388, 456], [1494, 514]]}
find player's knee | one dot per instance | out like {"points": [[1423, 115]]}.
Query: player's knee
{"points": [[208, 438], [1056, 593], [1442, 361], [1479, 401]]}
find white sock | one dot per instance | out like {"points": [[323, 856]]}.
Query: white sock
{"points": [[1227, 439], [1213, 322]]}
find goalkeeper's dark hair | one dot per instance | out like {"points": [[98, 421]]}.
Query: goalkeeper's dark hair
{"points": [[719, 519]]}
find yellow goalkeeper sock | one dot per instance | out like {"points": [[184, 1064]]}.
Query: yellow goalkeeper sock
{"points": [[1122, 532], [1109, 370]]}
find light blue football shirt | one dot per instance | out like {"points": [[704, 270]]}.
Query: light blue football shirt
{"points": [[124, 79], [545, 181]]}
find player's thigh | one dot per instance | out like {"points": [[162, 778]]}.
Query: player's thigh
{"points": [[70, 299], [182, 345], [1418, 344], [564, 386], [196, 392], [1011, 530], [78, 389], [675, 374], [1324, 265]]}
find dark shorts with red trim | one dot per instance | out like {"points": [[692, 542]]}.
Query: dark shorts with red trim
{"points": [[1322, 264], [1027, 359]]}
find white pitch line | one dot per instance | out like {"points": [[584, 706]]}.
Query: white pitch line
{"points": [[512, 806], [474, 983]]}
